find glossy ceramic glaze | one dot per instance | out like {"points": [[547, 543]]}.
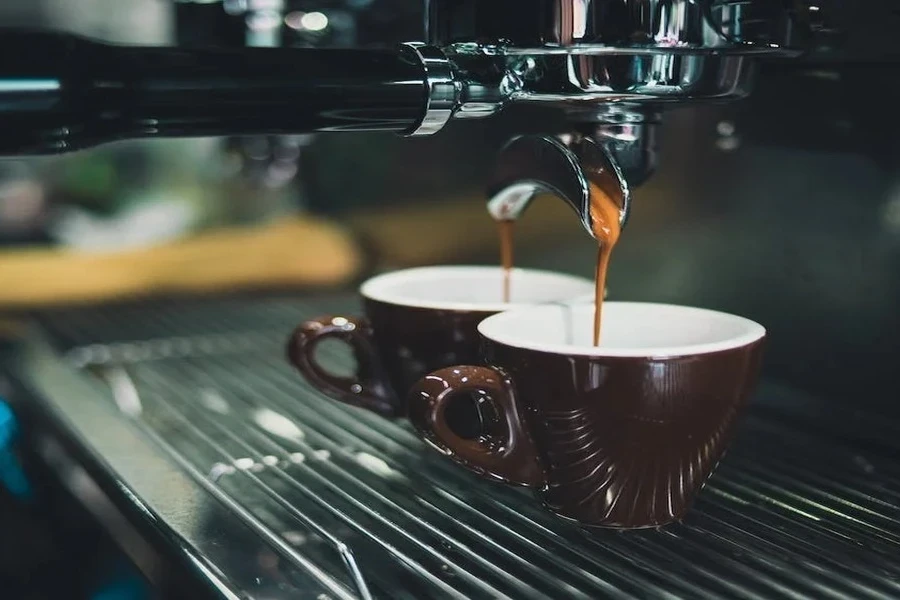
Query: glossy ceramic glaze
{"points": [[418, 320], [617, 436]]}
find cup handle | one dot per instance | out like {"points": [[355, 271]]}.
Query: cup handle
{"points": [[510, 456], [368, 388]]}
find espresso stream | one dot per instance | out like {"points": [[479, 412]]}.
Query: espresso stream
{"points": [[505, 228], [605, 227]]}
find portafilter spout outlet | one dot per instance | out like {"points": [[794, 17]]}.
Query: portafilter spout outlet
{"points": [[573, 167]]}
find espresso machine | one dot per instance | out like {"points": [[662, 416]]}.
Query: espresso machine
{"points": [[611, 67], [181, 430]]}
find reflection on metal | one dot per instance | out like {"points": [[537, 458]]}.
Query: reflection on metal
{"points": [[789, 513], [441, 89], [571, 167], [124, 393]]}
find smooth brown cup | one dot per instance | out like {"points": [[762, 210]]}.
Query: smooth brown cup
{"points": [[417, 320], [621, 435]]}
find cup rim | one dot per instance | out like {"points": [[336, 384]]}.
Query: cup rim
{"points": [[753, 332], [377, 288]]}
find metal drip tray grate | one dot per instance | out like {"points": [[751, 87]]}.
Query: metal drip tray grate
{"points": [[351, 505]]}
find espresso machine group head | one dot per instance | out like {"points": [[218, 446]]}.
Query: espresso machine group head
{"points": [[611, 66]]}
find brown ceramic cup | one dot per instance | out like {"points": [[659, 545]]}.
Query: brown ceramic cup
{"points": [[623, 434], [417, 320]]}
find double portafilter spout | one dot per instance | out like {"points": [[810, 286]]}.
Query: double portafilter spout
{"points": [[612, 66]]}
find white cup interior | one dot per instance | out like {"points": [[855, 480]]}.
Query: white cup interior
{"points": [[473, 288], [627, 329]]}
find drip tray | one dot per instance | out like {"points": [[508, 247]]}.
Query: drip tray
{"points": [[276, 491]]}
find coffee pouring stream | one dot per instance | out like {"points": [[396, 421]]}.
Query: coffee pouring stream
{"points": [[582, 171]]}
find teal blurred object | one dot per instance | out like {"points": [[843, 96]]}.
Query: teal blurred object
{"points": [[126, 584], [12, 477]]}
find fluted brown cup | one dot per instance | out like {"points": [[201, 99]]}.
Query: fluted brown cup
{"points": [[620, 435], [417, 320]]}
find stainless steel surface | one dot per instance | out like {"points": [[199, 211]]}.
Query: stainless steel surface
{"points": [[274, 491], [567, 166], [441, 87], [651, 26], [612, 64], [578, 52]]}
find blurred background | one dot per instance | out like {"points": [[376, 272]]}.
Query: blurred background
{"points": [[784, 208]]}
